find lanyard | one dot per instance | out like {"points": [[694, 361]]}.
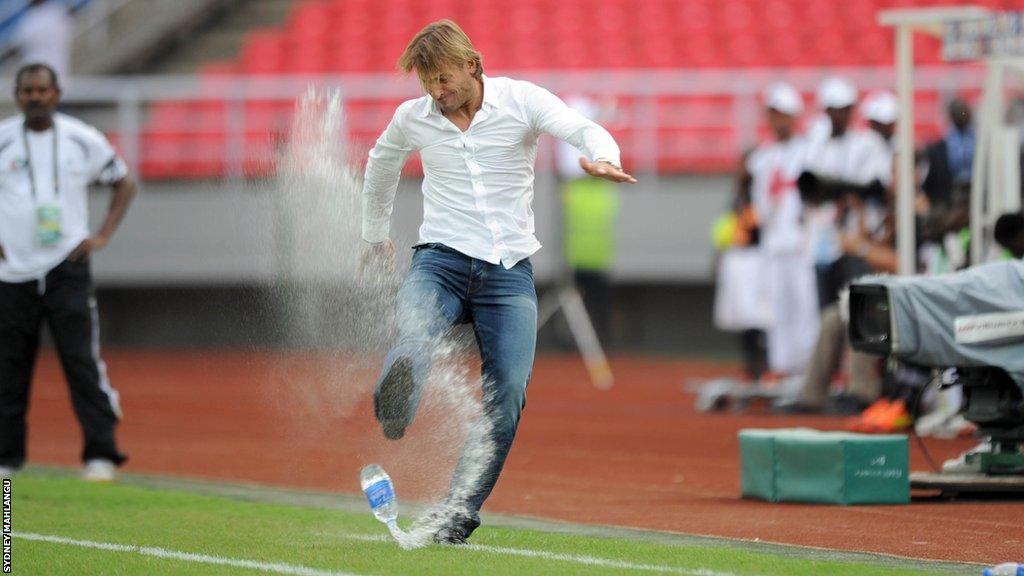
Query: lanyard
{"points": [[28, 162]]}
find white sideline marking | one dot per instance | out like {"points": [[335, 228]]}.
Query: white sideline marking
{"points": [[184, 556], [575, 558]]}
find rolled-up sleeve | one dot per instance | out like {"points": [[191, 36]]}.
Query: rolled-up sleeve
{"points": [[381, 179], [547, 113]]}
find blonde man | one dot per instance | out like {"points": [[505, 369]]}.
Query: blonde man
{"points": [[477, 137]]}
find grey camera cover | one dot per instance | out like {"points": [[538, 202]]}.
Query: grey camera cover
{"points": [[970, 318]]}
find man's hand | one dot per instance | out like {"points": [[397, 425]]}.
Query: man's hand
{"points": [[854, 244], [606, 170], [377, 260], [86, 247]]}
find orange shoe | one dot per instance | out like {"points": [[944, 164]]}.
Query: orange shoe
{"points": [[882, 417], [881, 405], [864, 422], [896, 419]]}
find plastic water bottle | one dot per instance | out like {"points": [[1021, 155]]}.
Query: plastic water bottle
{"points": [[380, 493], [1007, 569]]}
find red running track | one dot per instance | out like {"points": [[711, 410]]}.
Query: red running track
{"points": [[636, 456]]}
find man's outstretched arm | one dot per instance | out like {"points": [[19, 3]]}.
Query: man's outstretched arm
{"points": [[549, 114]]}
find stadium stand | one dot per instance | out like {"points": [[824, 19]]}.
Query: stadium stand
{"points": [[186, 139]]}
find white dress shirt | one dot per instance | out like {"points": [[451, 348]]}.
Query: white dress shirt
{"points": [[477, 184], [84, 157]]}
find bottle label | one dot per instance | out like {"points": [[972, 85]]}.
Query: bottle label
{"points": [[380, 493]]}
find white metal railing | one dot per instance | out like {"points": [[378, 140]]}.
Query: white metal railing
{"points": [[93, 28], [113, 33], [640, 124]]}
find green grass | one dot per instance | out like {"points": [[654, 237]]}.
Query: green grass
{"points": [[182, 520]]}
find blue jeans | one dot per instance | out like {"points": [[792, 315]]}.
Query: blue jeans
{"points": [[444, 288]]}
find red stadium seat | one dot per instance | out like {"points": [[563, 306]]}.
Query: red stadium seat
{"points": [[184, 139], [263, 52]]}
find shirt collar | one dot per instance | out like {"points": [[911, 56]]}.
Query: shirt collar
{"points": [[490, 98], [490, 92]]}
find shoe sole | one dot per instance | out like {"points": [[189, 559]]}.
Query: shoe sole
{"points": [[449, 537], [393, 397]]}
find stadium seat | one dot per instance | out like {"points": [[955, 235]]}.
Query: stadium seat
{"points": [[353, 36]]}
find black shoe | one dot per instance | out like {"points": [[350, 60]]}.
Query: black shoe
{"points": [[796, 408], [450, 536], [391, 400]]}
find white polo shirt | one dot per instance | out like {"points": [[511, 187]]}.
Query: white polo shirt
{"points": [[477, 184], [85, 156]]}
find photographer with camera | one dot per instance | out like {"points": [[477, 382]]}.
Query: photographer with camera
{"points": [[871, 251], [844, 169], [850, 209]]}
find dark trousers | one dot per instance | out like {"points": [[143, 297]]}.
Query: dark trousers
{"points": [[65, 301], [754, 351], [596, 293]]}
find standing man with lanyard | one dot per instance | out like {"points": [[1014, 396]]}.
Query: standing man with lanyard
{"points": [[47, 162], [477, 137]]}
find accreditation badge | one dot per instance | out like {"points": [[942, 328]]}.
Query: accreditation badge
{"points": [[48, 228]]}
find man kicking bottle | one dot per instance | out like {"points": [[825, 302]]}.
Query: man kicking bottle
{"points": [[477, 137]]}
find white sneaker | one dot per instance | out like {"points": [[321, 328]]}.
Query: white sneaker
{"points": [[961, 465], [99, 470], [6, 471]]}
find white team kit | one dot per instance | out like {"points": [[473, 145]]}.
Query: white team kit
{"points": [[789, 274], [44, 205], [44, 181]]}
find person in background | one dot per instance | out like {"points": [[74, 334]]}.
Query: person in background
{"points": [[865, 243], [47, 162], [1009, 233], [770, 173], [849, 156], [741, 293], [591, 208], [881, 110], [44, 35], [950, 161]]}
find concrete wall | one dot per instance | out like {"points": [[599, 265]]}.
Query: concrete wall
{"points": [[199, 265], [660, 319], [215, 234]]}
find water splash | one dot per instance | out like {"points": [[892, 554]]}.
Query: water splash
{"points": [[324, 305]]}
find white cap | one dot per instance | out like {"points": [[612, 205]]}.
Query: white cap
{"points": [[783, 98], [882, 107], [836, 92]]}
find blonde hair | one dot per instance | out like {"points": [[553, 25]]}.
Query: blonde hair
{"points": [[439, 44]]}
